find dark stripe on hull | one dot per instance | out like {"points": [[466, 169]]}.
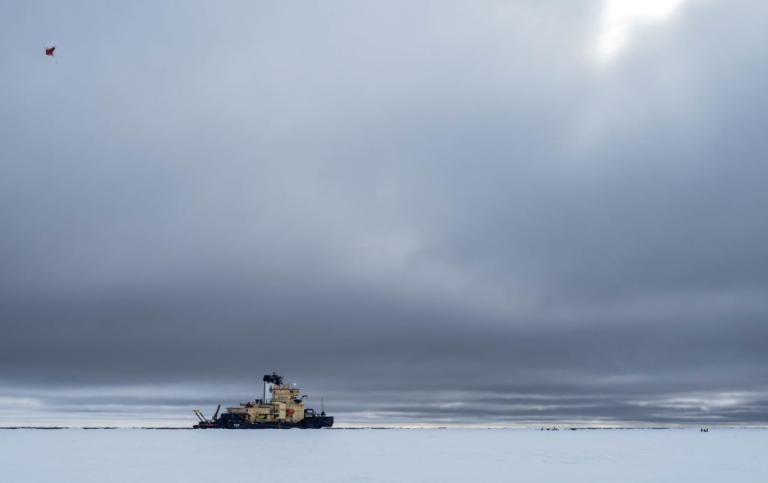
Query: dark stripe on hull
{"points": [[307, 423]]}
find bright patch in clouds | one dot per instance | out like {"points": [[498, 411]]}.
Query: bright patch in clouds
{"points": [[622, 17]]}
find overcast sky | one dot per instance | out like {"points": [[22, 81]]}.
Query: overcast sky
{"points": [[424, 213]]}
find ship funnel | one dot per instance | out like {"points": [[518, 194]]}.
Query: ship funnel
{"points": [[270, 380]]}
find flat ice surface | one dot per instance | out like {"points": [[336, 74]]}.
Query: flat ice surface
{"points": [[449, 455]]}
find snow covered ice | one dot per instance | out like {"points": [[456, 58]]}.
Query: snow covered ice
{"points": [[449, 455]]}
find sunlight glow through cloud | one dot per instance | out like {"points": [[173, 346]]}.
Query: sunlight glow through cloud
{"points": [[622, 17]]}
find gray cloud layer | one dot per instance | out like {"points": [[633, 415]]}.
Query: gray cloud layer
{"points": [[442, 212]]}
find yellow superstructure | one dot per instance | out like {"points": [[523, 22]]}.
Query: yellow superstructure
{"points": [[280, 403]]}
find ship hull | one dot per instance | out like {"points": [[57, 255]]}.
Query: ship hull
{"points": [[306, 423]]}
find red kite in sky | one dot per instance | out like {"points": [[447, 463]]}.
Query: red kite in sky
{"points": [[49, 51]]}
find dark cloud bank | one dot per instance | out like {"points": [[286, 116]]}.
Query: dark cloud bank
{"points": [[440, 213]]}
